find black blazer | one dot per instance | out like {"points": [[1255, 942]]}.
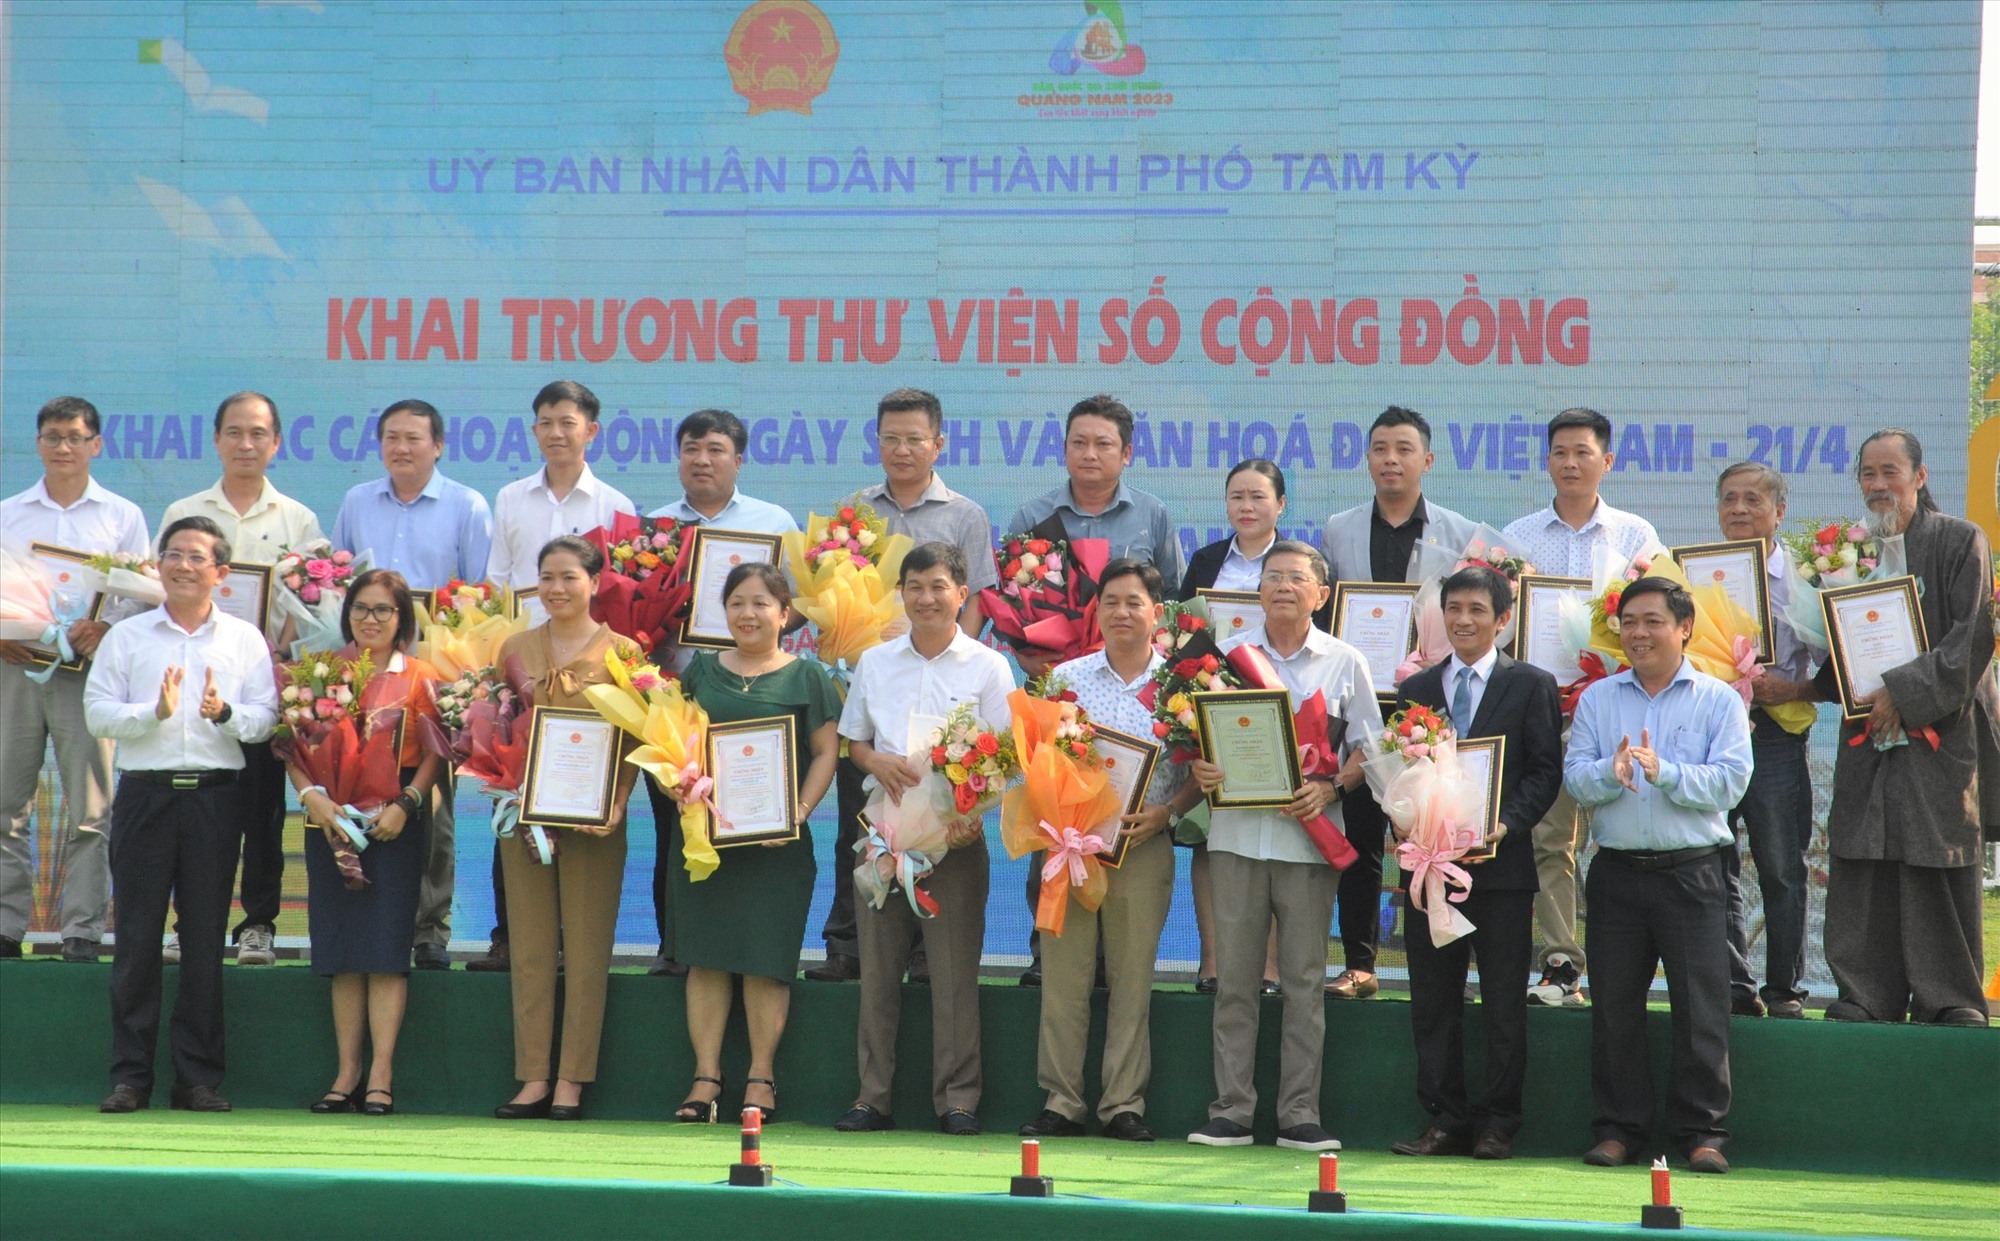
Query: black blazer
{"points": [[1521, 703], [1206, 563]]}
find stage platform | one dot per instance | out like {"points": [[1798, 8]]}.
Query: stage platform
{"points": [[1876, 1100]]}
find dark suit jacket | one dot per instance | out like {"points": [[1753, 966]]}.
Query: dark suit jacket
{"points": [[1521, 704], [1206, 563]]}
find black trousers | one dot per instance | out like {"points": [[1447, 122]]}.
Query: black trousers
{"points": [[499, 897], [179, 847], [1505, 941], [841, 932], [666, 818], [1639, 919], [1360, 899], [261, 786]]}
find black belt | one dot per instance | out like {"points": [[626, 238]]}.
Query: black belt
{"points": [[1661, 861], [183, 779]]}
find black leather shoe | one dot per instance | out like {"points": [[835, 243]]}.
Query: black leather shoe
{"points": [[1961, 1017], [1436, 1140], [379, 1103], [1052, 1124], [79, 951], [10, 948], [430, 957], [838, 967], [1032, 976], [1205, 986], [333, 1104], [124, 1099], [663, 967], [959, 1123], [524, 1111], [570, 1111], [920, 969], [1493, 1144], [1127, 1127], [496, 960], [864, 1119], [1788, 1010], [1847, 1010], [198, 1099]]}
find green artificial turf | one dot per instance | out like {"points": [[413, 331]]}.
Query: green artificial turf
{"points": [[1170, 1171]]}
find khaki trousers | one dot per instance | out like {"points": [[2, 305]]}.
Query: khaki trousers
{"points": [[1246, 894], [1129, 922], [30, 715], [1563, 832], [952, 942], [571, 903]]}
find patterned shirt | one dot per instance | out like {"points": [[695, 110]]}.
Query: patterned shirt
{"points": [[1112, 701], [1552, 546]]}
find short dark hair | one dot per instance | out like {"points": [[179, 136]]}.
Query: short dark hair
{"points": [[936, 555], [422, 409], [1589, 419], [1913, 448], [713, 422], [1679, 602], [566, 390], [587, 553], [219, 542], [770, 575], [1259, 465], [277, 424], [1130, 566], [1295, 547], [1397, 416], [1103, 405], [1477, 579], [905, 399], [67, 409], [399, 590]]}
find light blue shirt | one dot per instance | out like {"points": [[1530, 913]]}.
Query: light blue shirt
{"points": [[1701, 732], [445, 533], [1135, 523], [745, 513]]}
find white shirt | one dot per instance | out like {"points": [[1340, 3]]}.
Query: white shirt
{"points": [[124, 688], [1241, 572], [100, 521], [1552, 546], [746, 513], [526, 515], [1325, 663], [274, 521], [1112, 701], [1482, 673], [893, 682], [1794, 658]]}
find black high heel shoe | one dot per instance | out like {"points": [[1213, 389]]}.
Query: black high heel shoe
{"points": [[566, 1111], [767, 1115], [701, 1111], [525, 1111], [372, 1108], [333, 1103]]}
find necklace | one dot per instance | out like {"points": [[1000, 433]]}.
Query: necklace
{"points": [[751, 678]]}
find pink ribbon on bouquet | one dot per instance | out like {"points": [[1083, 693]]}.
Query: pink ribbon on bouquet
{"points": [[1433, 873], [1747, 666], [1067, 852]]}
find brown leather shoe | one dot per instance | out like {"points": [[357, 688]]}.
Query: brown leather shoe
{"points": [[496, 960], [1353, 985], [1610, 1153], [1436, 1141], [198, 1099], [1707, 1159], [1493, 1144], [124, 1099]]}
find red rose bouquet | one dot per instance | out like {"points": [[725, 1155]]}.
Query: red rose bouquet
{"points": [[1193, 665], [1047, 596], [646, 593], [340, 722]]}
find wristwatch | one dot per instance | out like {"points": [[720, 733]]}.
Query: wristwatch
{"points": [[227, 711]]}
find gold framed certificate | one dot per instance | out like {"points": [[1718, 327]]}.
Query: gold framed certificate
{"points": [[1379, 619], [1248, 733], [1871, 627], [1538, 622], [70, 575], [756, 781], [1232, 612], [528, 603], [716, 552], [425, 603], [1739, 569], [572, 768], [1129, 763], [1483, 758], [245, 593]]}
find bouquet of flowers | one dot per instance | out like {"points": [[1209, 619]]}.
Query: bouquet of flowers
{"points": [[844, 570], [1433, 806], [38, 611], [1433, 564], [481, 728], [975, 761], [466, 627], [1589, 628], [1047, 596], [1072, 731], [1318, 734], [1410, 734], [460, 604], [311, 586], [1193, 665], [1488, 549], [1829, 553], [671, 729], [1060, 808], [130, 575], [653, 548], [340, 721], [647, 594]]}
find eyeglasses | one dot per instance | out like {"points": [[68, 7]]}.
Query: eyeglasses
{"points": [[891, 443], [1289, 579], [73, 442], [193, 560], [373, 611]]}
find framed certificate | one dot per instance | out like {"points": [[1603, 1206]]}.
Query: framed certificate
{"points": [[1128, 763], [425, 602], [1739, 569], [572, 768], [1871, 628], [1248, 733], [715, 553], [756, 783], [1379, 619], [1483, 758], [245, 593], [1233, 612], [528, 603], [1538, 622], [69, 575]]}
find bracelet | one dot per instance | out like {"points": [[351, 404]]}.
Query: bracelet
{"points": [[311, 788]]}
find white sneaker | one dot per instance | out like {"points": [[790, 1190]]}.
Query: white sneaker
{"points": [[254, 947], [1561, 985], [170, 952]]}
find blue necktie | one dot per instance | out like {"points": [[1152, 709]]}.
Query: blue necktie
{"points": [[1461, 702]]}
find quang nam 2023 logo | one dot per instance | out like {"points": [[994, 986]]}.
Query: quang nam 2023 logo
{"points": [[1096, 70], [781, 55]]}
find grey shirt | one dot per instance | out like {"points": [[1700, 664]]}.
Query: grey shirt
{"points": [[1135, 523], [944, 516]]}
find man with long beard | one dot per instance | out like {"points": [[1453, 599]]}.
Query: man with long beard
{"points": [[1903, 891]]}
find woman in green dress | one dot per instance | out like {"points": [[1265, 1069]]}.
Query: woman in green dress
{"points": [[749, 917]]}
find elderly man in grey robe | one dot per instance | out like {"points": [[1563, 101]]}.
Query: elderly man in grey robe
{"points": [[1903, 891]]}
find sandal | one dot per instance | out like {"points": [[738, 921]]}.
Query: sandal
{"points": [[372, 1108], [768, 1115], [333, 1102], [701, 1111]]}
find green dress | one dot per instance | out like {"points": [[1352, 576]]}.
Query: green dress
{"points": [[749, 917]]}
